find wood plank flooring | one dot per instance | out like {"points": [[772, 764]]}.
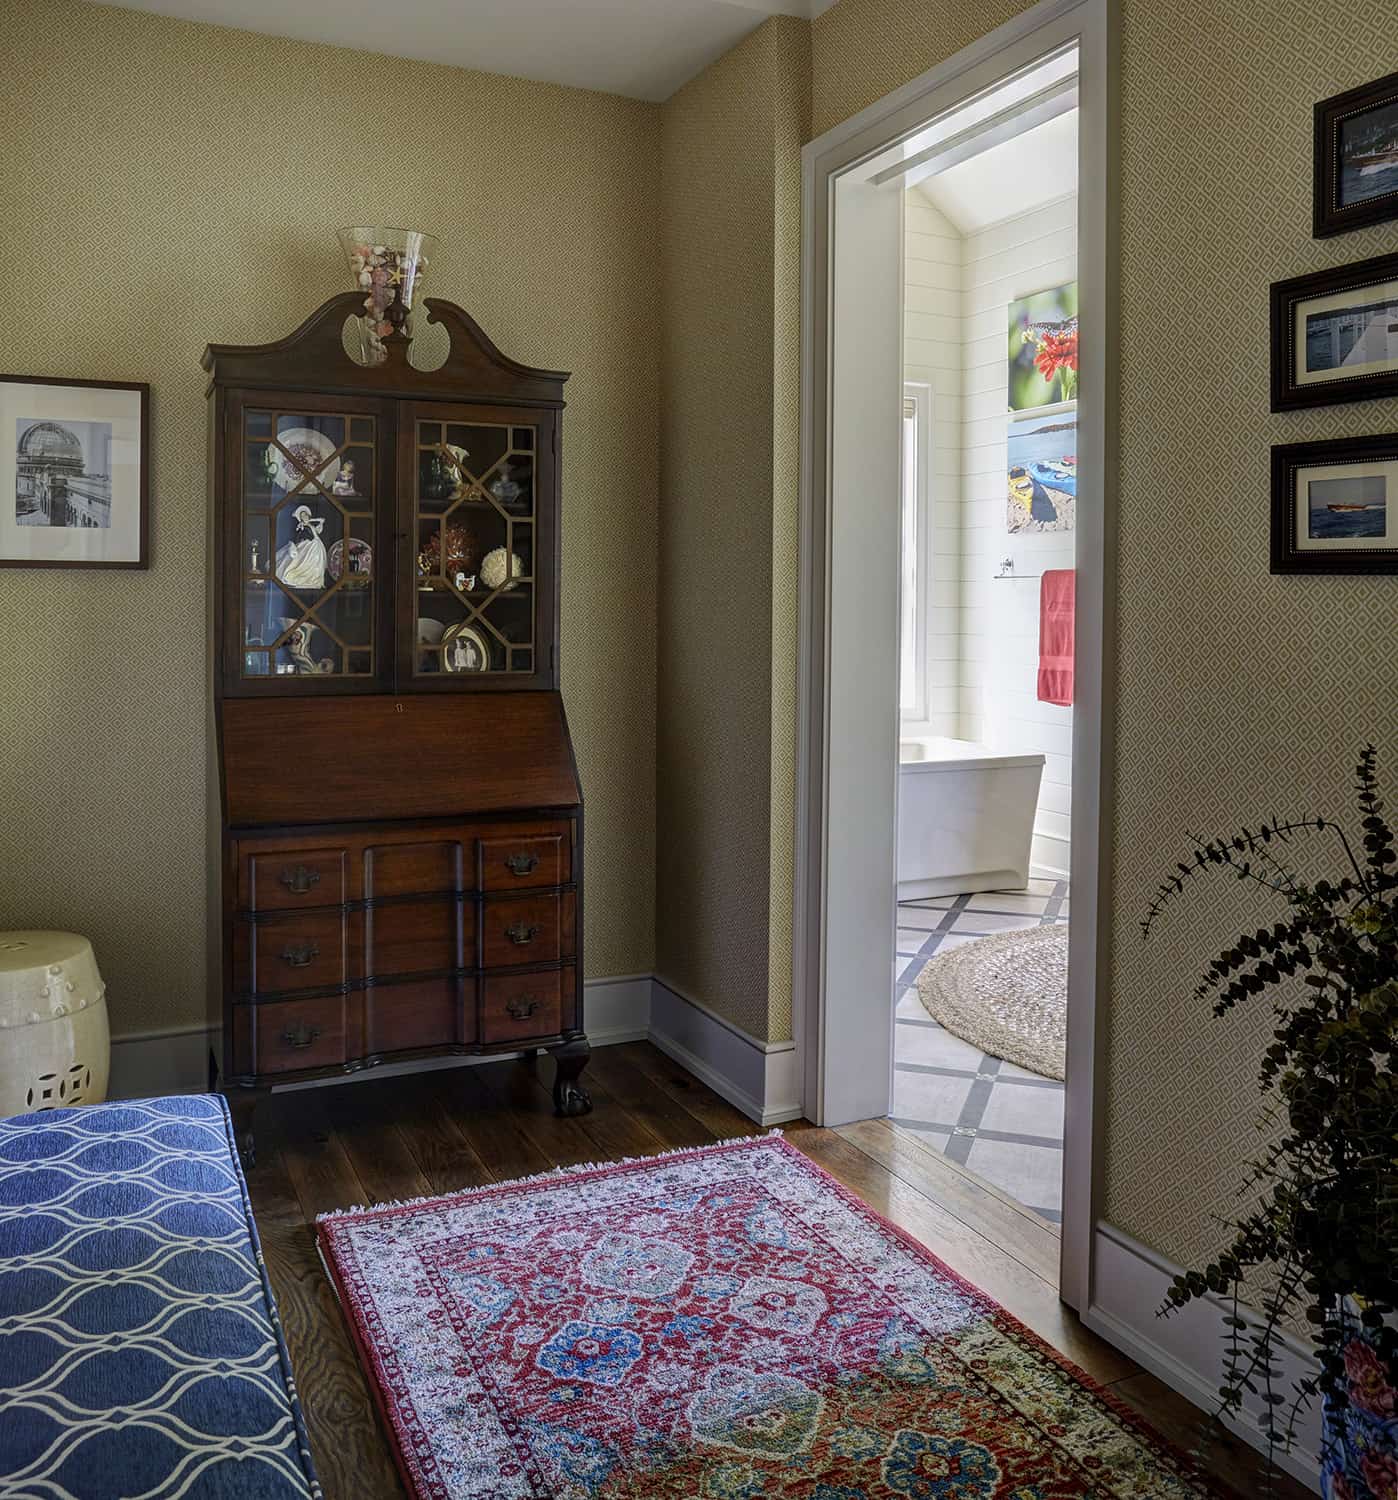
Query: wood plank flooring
{"points": [[383, 1139]]}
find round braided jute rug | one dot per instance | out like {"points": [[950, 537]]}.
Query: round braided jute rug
{"points": [[1006, 994]]}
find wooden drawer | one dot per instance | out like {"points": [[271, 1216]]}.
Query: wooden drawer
{"points": [[277, 880], [298, 951], [523, 930], [412, 869], [517, 1006], [415, 937], [419, 1013], [295, 1034], [509, 863]]}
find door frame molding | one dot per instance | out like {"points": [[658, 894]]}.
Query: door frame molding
{"points": [[844, 152]]}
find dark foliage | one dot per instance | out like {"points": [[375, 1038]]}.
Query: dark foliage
{"points": [[1325, 1220]]}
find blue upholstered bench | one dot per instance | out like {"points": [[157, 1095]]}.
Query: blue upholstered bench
{"points": [[140, 1350]]}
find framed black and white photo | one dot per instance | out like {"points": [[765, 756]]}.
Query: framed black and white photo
{"points": [[74, 480], [1335, 335], [1356, 158], [1335, 506]]}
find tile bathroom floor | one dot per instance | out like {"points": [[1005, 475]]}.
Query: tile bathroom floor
{"points": [[983, 1113]]}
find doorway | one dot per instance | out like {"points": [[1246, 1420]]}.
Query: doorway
{"points": [[1026, 74]]}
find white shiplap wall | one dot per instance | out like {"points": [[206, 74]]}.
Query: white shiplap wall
{"points": [[932, 357], [987, 631]]}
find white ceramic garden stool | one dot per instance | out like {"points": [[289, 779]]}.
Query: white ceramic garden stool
{"points": [[55, 1049]]}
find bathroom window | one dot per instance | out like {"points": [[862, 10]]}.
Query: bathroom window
{"points": [[916, 553]]}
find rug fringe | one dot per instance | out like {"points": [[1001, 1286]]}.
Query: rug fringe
{"points": [[552, 1175]]}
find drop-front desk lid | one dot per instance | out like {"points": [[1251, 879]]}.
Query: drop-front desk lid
{"points": [[430, 755]]}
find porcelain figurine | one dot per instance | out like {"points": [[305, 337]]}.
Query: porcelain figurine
{"points": [[301, 563], [505, 487], [344, 480], [299, 645]]}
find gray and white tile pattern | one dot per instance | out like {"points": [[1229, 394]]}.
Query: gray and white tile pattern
{"points": [[1003, 1123]]}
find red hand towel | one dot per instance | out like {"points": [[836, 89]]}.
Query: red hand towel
{"points": [[1057, 603]]}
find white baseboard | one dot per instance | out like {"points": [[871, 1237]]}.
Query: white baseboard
{"points": [[146, 1064], [617, 1010], [1184, 1350], [757, 1077]]}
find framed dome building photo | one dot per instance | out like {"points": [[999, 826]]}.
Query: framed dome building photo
{"points": [[73, 473]]}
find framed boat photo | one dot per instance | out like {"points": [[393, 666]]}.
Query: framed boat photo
{"points": [[1335, 335], [74, 473], [1335, 506], [1356, 158]]}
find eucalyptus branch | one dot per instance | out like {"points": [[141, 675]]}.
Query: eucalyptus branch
{"points": [[1324, 1188]]}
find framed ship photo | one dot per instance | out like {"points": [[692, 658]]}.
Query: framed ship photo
{"points": [[1335, 506], [74, 473], [1335, 335], [1356, 158]]}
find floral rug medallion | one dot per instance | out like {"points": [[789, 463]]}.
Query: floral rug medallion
{"points": [[721, 1324]]}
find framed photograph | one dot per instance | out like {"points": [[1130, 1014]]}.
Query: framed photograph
{"points": [[74, 475], [1335, 335], [464, 649], [1335, 506], [1043, 348], [1043, 472], [1356, 158]]}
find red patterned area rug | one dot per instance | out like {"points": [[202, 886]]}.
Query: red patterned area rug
{"points": [[727, 1323]]}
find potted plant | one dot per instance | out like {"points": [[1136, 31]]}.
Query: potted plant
{"points": [[1322, 1220]]}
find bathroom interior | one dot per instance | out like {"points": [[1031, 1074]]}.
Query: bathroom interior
{"points": [[988, 586]]}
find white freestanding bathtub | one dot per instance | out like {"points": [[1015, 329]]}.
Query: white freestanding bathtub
{"points": [[965, 817]]}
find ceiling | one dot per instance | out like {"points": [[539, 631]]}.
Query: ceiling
{"points": [[1034, 168], [642, 48]]}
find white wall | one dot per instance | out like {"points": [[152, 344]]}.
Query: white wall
{"points": [[932, 356], [987, 630]]}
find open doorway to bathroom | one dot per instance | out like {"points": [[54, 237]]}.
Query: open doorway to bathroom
{"points": [[980, 564], [989, 498]]}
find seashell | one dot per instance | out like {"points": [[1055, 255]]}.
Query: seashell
{"points": [[493, 573]]}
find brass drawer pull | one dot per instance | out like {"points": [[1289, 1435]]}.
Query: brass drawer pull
{"points": [[300, 1035], [523, 1007], [298, 879], [521, 933], [300, 958], [521, 864]]}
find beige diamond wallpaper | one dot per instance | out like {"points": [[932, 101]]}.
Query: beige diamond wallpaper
{"points": [[731, 144], [177, 185], [1236, 693]]}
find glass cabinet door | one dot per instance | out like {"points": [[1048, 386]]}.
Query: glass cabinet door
{"points": [[474, 518], [308, 574]]}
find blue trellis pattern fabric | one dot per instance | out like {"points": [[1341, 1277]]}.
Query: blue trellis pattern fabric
{"points": [[140, 1349]]}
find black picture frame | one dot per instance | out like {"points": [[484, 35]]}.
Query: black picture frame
{"points": [[1332, 116], [141, 529], [1287, 460], [1288, 394]]}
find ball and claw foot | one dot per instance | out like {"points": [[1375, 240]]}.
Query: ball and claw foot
{"points": [[242, 1105], [569, 1096]]}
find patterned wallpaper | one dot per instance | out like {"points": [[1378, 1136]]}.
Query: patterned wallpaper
{"points": [[171, 184], [1236, 692], [730, 173]]}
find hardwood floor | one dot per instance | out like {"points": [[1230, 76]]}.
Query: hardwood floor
{"points": [[392, 1138]]}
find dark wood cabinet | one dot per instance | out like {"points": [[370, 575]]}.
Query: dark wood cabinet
{"points": [[398, 860]]}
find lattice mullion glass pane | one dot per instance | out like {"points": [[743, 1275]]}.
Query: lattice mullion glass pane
{"points": [[307, 557]]}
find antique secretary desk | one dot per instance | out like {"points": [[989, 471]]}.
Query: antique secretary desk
{"points": [[399, 854]]}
